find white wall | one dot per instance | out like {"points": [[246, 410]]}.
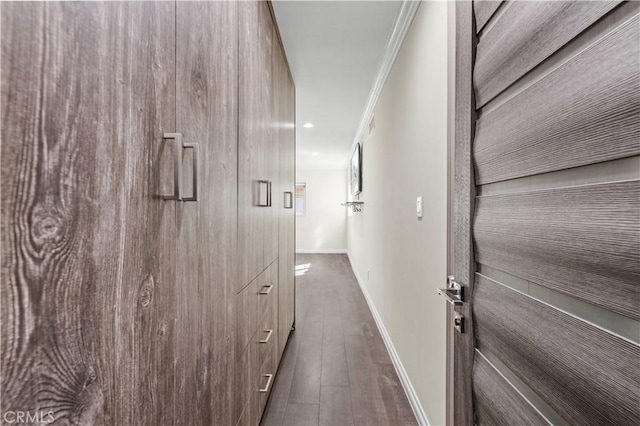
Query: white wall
{"points": [[399, 259], [324, 227]]}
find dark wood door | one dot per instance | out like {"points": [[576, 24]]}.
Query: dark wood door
{"points": [[87, 241], [207, 108], [546, 207], [251, 144]]}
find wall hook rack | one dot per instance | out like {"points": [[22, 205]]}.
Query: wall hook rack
{"points": [[356, 206]]}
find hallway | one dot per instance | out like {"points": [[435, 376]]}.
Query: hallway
{"points": [[335, 369]]}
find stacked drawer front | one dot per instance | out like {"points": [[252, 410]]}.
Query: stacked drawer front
{"points": [[256, 345]]}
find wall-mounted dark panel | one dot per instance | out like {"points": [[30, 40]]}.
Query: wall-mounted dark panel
{"points": [[583, 241], [584, 112], [515, 43], [587, 375]]}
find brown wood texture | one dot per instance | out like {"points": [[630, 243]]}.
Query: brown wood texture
{"points": [[207, 108], [516, 44], [496, 401], [251, 144], [463, 205], [87, 320], [583, 241], [483, 11], [562, 121], [285, 94], [269, 50], [584, 373]]}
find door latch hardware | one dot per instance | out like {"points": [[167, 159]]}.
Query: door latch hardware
{"points": [[458, 323], [454, 293]]}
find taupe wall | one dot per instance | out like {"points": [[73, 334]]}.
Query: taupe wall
{"points": [[399, 259]]}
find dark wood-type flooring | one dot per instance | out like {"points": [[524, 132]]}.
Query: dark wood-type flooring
{"points": [[336, 370]]}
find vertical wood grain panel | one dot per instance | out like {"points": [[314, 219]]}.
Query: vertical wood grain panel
{"points": [[87, 89], [251, 142], [583, 241], [564, 121], [584, 373], [269, 123], [496, 401], [516, 43], [464, 191], [207, 108], [286, 256]]}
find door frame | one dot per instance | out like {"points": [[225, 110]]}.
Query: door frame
{"points": [[461, 116]]}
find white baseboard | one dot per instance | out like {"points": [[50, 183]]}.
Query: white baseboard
{"points": [[421, 416], [321, 251]]}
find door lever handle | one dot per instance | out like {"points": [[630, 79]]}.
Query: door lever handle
{"points": [[454, 293]]}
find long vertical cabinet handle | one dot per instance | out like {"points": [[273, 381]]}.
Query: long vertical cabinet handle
{"points": [[288, 200], [177, 165], [269, 185], [263, 193], [196, 151]]}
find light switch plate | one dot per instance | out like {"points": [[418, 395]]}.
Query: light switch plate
{"points": [[419, 207]]}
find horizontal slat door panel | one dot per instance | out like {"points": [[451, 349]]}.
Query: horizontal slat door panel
{"points": [[496, 401], [587, 375], [583, 112], [483, 11], [515, 43], [583, 241]]}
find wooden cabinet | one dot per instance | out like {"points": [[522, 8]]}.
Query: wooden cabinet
{"points": [[132, 307], [206, 114], [88, 254], [257, 145], [285, 95]]}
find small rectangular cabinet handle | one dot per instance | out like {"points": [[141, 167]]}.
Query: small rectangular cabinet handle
{"points": [[266, 289], [263, 193], [177, 165], [288, 200], [196, 150], [266, 388], [266, 339]]}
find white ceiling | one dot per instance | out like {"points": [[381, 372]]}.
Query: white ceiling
{"points": [[334, 50]]}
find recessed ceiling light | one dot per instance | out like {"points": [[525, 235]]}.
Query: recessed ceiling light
{"points": [[307, 125], [314, 154]]}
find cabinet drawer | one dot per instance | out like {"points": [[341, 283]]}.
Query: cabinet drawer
{"points": [[267, 334], [266, 380], [268, 290], [246, 315]]}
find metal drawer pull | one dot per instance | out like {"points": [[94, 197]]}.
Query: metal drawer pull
{"points": [[266, 388], [268, 289], [177, 164], [454, 293], [269, 333], [263, 193], [196, 150], [288, 200]]}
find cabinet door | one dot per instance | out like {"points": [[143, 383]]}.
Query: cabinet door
{"points": [[207, 107], [251, 141], [87, 242], [270, 120], [286, 257]]}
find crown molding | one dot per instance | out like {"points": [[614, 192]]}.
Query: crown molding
{"points": [[400, 28]]}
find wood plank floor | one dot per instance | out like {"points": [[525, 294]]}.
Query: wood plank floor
{"points": [[336, 370]]}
